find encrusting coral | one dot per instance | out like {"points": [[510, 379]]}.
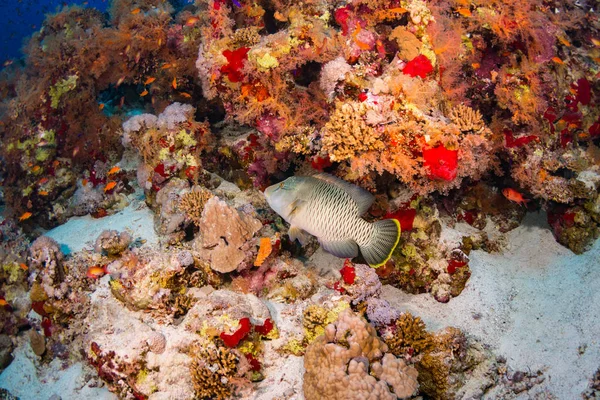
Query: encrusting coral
{"points": [[350, 361]]}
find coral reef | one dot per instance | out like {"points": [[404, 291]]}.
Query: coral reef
{"points": [[349, 360], [459, 117]]}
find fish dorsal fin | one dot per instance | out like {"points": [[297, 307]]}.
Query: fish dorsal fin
{"points": [[340, 248], [362, 198]]}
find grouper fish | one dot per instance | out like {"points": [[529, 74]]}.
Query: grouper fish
{"points": [[329, 208]]}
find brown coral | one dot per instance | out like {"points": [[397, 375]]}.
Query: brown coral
{"points": [[467, 119], [211, 369], [347, 134], [349, 361], [224, 231], [192, 203], [410, 336]]}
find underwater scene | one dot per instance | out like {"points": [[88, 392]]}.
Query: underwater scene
{"points": [[300, 199]]}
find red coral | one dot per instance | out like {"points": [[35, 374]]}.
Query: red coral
{"points": [[46, 325], [265, 328], [320, 163], [348, 273], [406, 217], [341, 16], [232, 340], [419, 66], [254, 363], [454, 264], [235, 63], [518, 142], [441, 162]]}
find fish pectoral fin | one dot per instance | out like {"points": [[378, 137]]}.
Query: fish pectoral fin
{"points": [[361, 197], [296, 206], [340, 248], [301, 235]]}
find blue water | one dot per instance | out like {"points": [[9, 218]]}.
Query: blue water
{"points": [[19, 19]]}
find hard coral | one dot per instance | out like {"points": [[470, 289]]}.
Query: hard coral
{"points": [[192, 203], [212, 368], [351, 362], [225, 233], [47, 258], [112, 242]]}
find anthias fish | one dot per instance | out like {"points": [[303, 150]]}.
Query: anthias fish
{"points": [[330, 209]]}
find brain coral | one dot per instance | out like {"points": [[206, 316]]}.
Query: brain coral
{"points": [[350, 362]]}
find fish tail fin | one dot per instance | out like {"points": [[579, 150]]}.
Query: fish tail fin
{"points": [[385, 238]]}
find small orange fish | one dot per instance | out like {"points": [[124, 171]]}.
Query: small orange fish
{"points": [[113, 170], [136, 11], [174, 83], [43, 193], [564, 41], [23, 266], [465, 12], [110, 186], [159, 42], [512, 195], [191, 21], [3, 302], [149, 80], [186, 95], [166, 66], [75, 151], [101, 106], [36, 169], [121, 80], [84, 182], [596, 42], [96, 272], [475, 65], [26, 215], [43, 181], [144, 93], [55, 163], [558, 60]]}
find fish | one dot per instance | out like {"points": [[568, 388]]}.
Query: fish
{"points": [[113, 170], [3, 302], [174, 83], [96, 272], [149, 80], [465, 12], [186, 95], [513, 195], [191, 21], [558, 60], [144, 93], [110, 186], [120, 81], [25, 215], [24, 266], [329, 208], [43, 193], [101, 106], [136, 11]]}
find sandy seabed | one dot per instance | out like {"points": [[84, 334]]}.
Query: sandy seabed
{"points": [[535, 304]]}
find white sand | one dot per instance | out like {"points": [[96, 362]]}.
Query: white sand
{"points": [[27, 379], [81, 232], [538, 303]]}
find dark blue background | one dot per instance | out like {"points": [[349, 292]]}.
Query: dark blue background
{"points": [[20, 18]]}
